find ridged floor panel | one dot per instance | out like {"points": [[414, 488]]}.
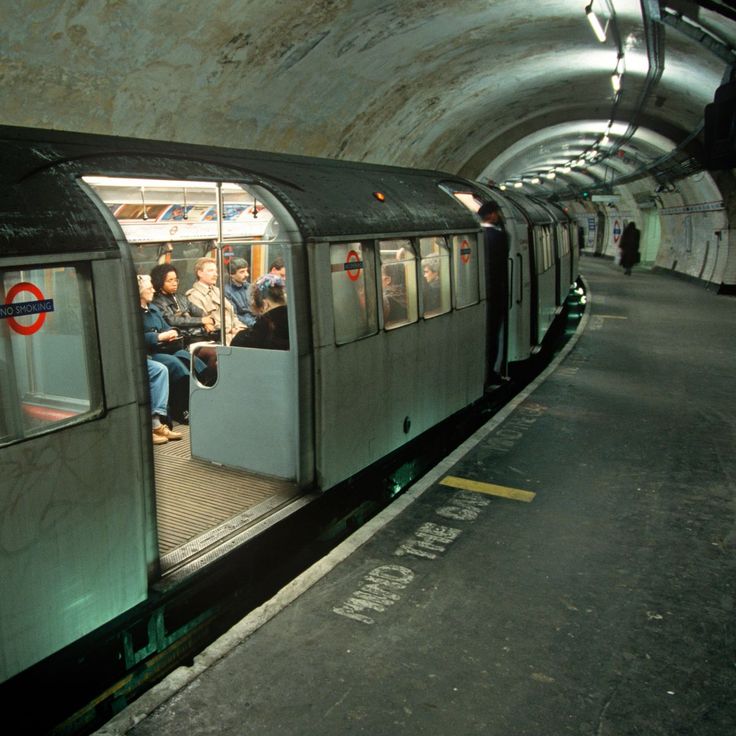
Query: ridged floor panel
{"points": [[193, 496]]}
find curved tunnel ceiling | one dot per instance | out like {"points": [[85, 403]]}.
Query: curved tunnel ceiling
{"points": [[497, 89]]}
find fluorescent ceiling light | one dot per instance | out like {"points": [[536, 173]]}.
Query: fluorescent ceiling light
{"points": [[595, 24]]}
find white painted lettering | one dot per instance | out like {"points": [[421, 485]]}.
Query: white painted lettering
{"points": [[429, 538], [376, 593], [463, 506], [391, 574], [457, 513]]}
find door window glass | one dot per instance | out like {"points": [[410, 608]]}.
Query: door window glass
{"points": [[49, 370], [435, 276], [398, 283], [465, 267], [353, 291]]}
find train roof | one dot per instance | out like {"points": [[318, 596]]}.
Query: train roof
{"points": [[45, 210]]}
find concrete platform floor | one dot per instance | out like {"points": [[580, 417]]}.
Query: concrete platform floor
{"points": [[603, 605]]}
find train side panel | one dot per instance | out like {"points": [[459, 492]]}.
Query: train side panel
{"points": [[375, 394], [77, 542], [519, 282]]}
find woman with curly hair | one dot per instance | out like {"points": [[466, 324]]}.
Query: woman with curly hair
{"points": [[271, 330]]}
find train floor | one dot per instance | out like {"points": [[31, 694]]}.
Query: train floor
{"points": [[569, 570]]}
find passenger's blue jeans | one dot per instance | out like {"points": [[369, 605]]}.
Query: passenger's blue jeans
{"points": [[158, 382]]}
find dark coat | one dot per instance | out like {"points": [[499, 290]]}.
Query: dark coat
{"points": [[179, 312], [497, 255], [270, 332], [176, 361], [629, 246]]}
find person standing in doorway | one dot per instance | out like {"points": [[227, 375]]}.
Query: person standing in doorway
{"points": [[497, 254]]}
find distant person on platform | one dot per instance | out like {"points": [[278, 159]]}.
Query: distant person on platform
{"points": [[497, 253], [238, 291], [629, 248]]}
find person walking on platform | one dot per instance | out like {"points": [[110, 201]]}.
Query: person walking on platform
{"points": [[629, 248], [497, 254]]}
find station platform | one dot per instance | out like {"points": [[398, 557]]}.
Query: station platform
{"points": [[569, 570]]}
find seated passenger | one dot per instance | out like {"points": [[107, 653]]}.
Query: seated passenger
{"points": [[164, 346], [238, 291], [431, 291], [395, 310], [177, 310], [193, 325], [271, 330], [278, 268], [205, 295]]}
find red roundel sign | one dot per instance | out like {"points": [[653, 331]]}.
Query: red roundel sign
{"points": [[38, 308], [465, 251], [353, 265]]}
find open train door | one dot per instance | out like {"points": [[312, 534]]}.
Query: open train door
{"points": [[250, 417], [245, 452]]}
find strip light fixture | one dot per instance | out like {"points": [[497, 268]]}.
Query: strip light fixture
{"points": [[595, 24]]}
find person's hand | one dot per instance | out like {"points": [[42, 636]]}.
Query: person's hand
{"points": [[167, 336]]}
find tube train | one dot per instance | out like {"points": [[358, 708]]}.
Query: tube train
{"points": [[92, 514]]}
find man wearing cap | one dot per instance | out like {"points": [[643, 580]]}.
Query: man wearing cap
{"points": [[497, 253], [238, 291]]}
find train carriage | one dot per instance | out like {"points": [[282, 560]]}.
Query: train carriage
{"points": [[386, 292], [566, 250], [545, 301], [90, 506]]}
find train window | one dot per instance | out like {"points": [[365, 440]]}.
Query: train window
{"points": [[47, 348], [543, 249], [468, 198], [353, 291], [565, 240], [465, 269], [435, 276], [398, 283]]}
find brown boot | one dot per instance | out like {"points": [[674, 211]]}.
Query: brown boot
{"points": [[163, 431], [159, 439]]}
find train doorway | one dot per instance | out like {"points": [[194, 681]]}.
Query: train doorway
{"points": [[231, 455]]}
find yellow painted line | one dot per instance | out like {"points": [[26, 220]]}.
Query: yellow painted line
{"points": [[611, 316], [515, 494]]}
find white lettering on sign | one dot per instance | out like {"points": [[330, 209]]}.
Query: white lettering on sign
{"points": [[380, 589], [19, 309], [429, 540]]}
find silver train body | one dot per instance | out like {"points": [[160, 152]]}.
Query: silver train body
{"points": [[80, 538]]}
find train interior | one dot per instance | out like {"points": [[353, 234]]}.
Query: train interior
{"points": [[202, 498]]}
